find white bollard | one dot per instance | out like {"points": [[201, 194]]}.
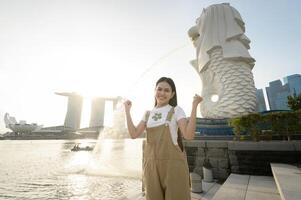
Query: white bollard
{"points": [[196, 183], [207, 172]]}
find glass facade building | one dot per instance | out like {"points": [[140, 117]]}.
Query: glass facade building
{"points": [[260, 102], [294, 83], [277, 93]]}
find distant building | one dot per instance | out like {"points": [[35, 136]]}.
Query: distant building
{"points": [[294, 83], [277, 93], [260, 102], [74, 110], [281, 98], [20, 127], [272, 90], [97, 112]]}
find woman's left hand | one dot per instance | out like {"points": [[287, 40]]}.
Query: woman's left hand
{"points": [[197, 99]]}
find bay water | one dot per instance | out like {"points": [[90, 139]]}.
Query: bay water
{"points": [[48, 169]]}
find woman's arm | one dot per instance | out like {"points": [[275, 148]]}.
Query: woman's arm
{"points": [[133, 131], [187, 127]]}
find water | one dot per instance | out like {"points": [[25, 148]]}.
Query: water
{"points": [[47, 169]]}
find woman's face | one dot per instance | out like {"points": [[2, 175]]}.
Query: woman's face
{"points": [[163, 93]]}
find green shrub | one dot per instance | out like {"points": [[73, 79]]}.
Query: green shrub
{"points": [[263, 126], [294, 102]]}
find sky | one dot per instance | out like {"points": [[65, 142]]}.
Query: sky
{"points": [[120, 48]]}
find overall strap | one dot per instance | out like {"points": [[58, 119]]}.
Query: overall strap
{"points": [[147, 116], [179, 140], [170, 114]]}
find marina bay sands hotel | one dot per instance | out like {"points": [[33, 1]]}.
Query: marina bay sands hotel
{"points": [[74, 110]]}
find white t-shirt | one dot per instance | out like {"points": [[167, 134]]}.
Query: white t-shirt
{"points": [[158, 117]]}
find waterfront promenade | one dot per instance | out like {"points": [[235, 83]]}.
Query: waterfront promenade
{"points": [[283, 185]]}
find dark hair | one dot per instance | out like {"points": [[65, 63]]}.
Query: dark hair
{"points": [[173, 100]]}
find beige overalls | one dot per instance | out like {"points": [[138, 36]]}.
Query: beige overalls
{"points": [[166, 174]]}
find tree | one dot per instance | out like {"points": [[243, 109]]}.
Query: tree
{"points": [[294, 102]]}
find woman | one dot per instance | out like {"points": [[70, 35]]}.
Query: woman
{"points": [[165, 168]]}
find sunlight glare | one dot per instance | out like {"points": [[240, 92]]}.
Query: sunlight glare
{"points": [[214, 98]]}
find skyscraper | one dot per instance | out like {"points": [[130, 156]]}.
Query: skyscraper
{"points": [[274, 88], [97, 112], [277, 93], [294, 82], [74, 110], [260, 102]]}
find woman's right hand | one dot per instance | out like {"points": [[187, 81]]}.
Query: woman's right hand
{"points": [[127, 105]]}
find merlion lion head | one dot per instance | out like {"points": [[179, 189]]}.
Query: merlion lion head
{"points": [[223, 62]]}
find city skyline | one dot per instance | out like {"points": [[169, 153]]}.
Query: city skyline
{"points": [[120, 48], [278, 91]]}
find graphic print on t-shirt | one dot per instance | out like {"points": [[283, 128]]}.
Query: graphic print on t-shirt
{"points": [[157, 116]]}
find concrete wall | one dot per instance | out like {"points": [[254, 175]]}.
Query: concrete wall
{"points": [[252, 158]]}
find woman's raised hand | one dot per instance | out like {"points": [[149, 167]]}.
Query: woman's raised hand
{"points": [[197, 99], [127, 105]]}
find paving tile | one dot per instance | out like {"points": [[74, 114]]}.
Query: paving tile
{"points": [[288, 179], [210, 193], [237, 181], [262, 184], [229, 194], [252, 195]]}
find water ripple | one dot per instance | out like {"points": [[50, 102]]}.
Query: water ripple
{"points": [[47, 174]]}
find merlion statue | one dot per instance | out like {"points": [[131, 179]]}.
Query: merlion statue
{"points": [[223, 62]]}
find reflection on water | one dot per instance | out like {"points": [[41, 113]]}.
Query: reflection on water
{"points": [[121, 157], [47, 169]]}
